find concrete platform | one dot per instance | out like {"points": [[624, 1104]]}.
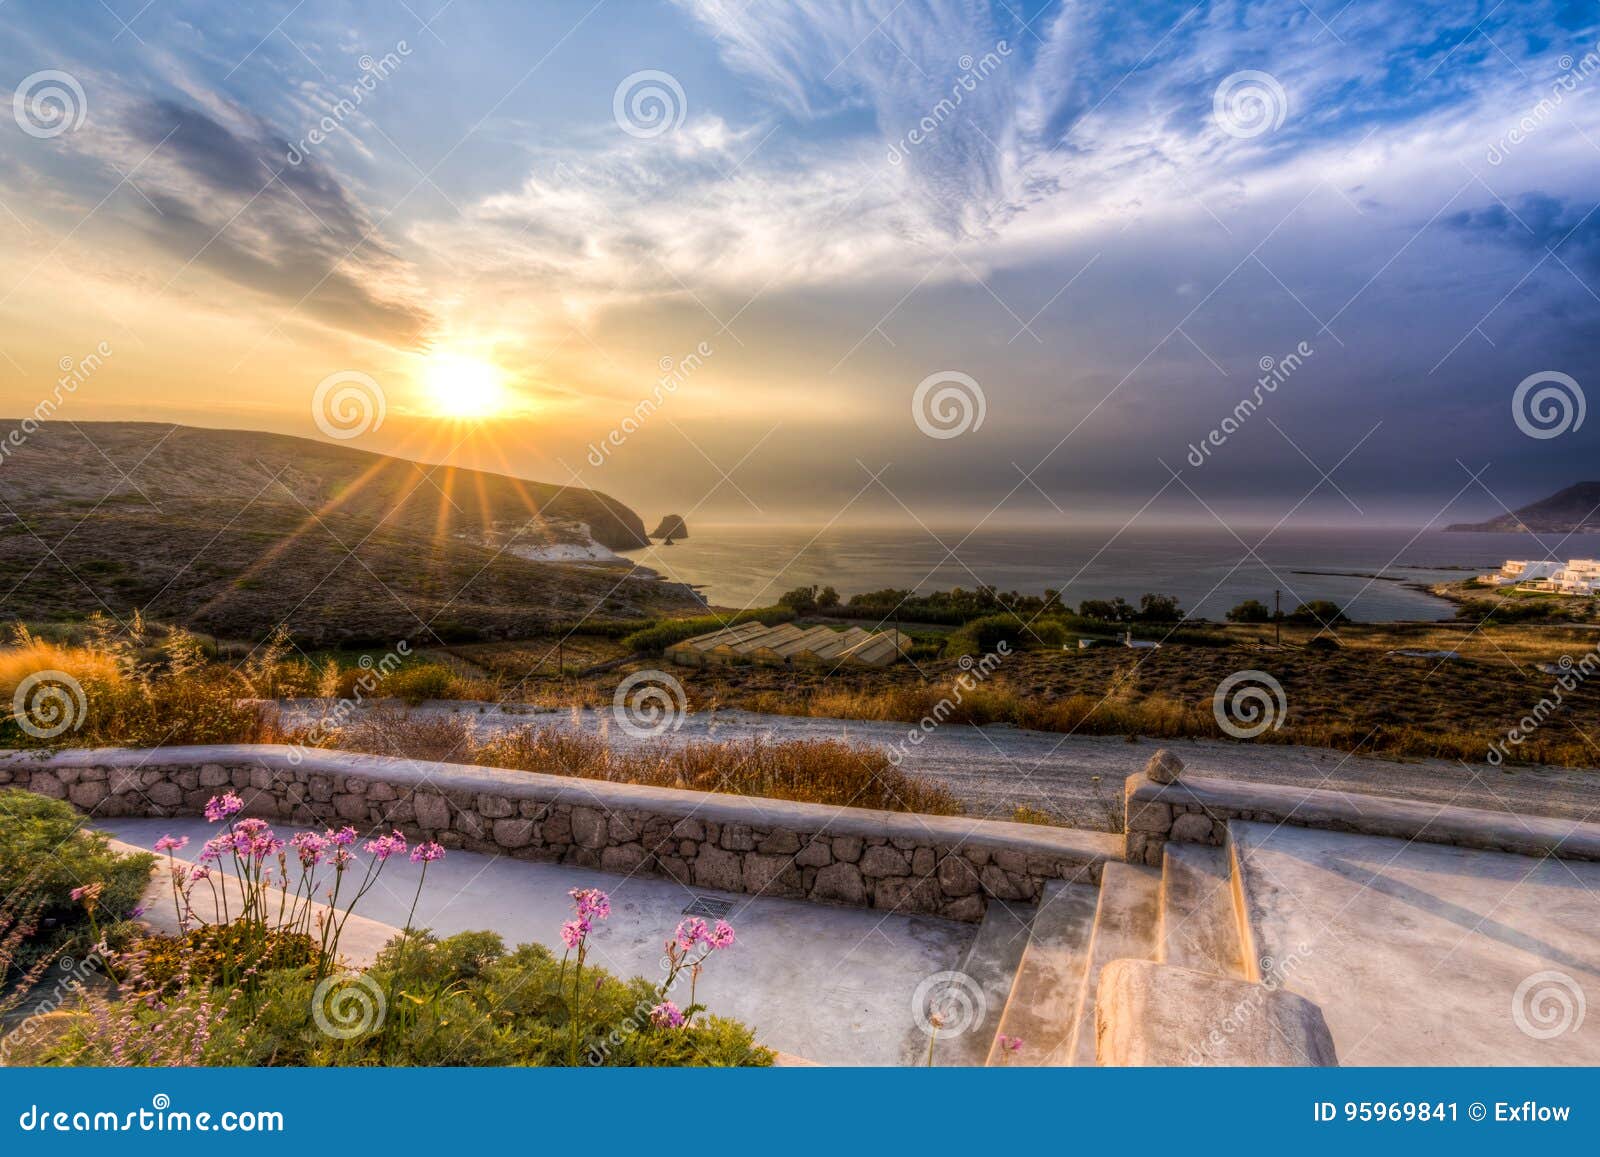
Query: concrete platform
{"points": [[1422, 954], [831, 985]]}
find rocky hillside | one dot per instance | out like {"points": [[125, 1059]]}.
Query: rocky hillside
{"points": [[233, 532], [1577, 508]]}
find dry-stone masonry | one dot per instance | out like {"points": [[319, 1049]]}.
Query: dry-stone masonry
{"points": [[932, 865]]}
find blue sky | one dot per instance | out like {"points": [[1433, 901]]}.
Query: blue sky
{"points": [[1056, 200]]}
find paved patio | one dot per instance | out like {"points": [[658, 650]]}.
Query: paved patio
{"points": [[833, 985]]}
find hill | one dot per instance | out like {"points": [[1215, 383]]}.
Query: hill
{"points": [[1577, 508], [234, 532]]}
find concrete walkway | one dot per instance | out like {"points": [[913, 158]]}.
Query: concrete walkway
{"points": [[1423, 954], [832, 985]]}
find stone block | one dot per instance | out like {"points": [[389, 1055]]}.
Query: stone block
{"points": [[715, 867], [514, 833], [771, 875], [1193, 829], [625, 859], [841, 884], [1148, 816], [957, 876], [782, 842], [1163, 767], [433, 813], [847, 848], [589, 827], [816, 854], [884, 862]]}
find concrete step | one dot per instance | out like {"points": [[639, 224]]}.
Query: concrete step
{"points": [[1127, 926], [984, 980], [1199, 915], [1044, 997]]}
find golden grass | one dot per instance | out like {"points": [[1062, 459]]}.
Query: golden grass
{"points": [[807, 771]]}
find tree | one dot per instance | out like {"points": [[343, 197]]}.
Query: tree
{"points": [[1319, 612], [800, 600], [1250, 611], [1159, 609], [827, 598], [1106, 610]]}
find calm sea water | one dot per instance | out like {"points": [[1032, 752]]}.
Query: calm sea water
{"points": [[1208, 569]]}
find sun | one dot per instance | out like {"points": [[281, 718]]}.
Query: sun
{"points": [[463, 387]]}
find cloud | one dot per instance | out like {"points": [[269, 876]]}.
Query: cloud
{"points": [[216, 189], [1535, 223]]}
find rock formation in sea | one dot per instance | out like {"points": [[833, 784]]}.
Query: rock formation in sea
{"points": [[671, 527]]}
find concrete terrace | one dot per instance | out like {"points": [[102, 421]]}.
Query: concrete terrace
{"points": [[830, 984]]}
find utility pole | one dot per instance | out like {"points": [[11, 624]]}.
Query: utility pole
{"points": [[1277, 618]]}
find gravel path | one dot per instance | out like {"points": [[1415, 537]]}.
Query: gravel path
{"points": [[1079, 778]]}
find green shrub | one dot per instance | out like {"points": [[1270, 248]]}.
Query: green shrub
{"points": [[662, 635], [415, 682], [213, 952], [46, 852], [461, 1001], [984, 636]]}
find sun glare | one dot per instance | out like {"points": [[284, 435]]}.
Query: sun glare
{"points": [[463, 387]]}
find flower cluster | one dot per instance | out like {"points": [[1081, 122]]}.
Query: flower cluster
{"points": [[591, 904], [250, 845]]}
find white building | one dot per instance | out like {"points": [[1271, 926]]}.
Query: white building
{"points": [[1520, 571], [1580, 576]]}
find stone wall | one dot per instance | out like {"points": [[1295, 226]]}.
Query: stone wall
{"points": [[933, 865], [1197, 810]]}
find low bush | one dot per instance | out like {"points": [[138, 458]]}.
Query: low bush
{"points": [[45, 855], [660, 636]]}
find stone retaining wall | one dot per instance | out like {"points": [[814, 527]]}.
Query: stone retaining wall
{"points": [[1197, 810], [933, 865]]}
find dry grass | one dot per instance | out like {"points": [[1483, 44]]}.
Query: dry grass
{"points": [[809, 771]]}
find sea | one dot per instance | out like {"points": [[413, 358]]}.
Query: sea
{"points": [[1365, 571]]}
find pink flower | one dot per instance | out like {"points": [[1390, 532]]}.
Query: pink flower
{"points": [[342, 838], [690, 932], [310, 846], [593, 904], [383, 847], [427, 853], [171, 843], [1012, 1044], [666, 1015], [215, 846], [199, 872], [721, 936], [573, 932], [219, 808]]}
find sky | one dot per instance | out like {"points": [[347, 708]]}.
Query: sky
{"points": [[830, 261]]}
